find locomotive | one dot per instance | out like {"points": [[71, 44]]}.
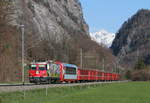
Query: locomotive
{"points": [[49, 72]]}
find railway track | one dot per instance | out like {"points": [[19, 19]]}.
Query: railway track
{"points": [[25, 87]]}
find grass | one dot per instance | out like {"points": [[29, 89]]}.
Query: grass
{"points": [[132, 92]]}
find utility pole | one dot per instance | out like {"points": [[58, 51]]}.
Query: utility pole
{"points": [[22, 34], [117, 67], [103, 64], [81, 58], [137, 55]]}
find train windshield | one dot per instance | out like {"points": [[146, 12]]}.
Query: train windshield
{"points": [[42, 67], [70, 70], [33, 67]]}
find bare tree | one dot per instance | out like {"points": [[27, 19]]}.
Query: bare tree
{"points": [[8, 41]]}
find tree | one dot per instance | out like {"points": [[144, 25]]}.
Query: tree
{"points": [[139, 65], [9, 40]]}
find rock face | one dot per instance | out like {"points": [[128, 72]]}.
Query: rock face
{"points": [[52, 22], [133, 39], [51, 18], [54, 29]]}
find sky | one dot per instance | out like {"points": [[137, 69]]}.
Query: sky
{"points": [[110, 14]]}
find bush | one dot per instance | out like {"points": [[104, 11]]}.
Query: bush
{"points": [[128, 74], [140, 75]]}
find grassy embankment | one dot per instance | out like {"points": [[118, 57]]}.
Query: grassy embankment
{"points": [[133, 92]]}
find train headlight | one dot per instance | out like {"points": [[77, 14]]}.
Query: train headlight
{"points": [[37, 72]]}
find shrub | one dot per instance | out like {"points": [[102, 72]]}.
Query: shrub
{"points": [[140, 75], [128, 74]]}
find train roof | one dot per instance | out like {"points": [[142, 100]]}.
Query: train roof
{"points": [[38, 63], [70, 65], [99, 71]]}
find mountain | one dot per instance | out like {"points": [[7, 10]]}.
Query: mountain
{"points": [[103, 37], [53, 29], [132, 42]]}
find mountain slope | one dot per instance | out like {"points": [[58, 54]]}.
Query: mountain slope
{"points": [[49, 26], [103, 37], [54, 29], [51, 31], [132, 41]]}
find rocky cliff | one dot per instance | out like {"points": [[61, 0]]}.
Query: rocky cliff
{"points": [[51, 18], [132, 41], [54, 29], [52, 21]]}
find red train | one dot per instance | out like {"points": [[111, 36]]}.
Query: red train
{"points": [[49, 72]]}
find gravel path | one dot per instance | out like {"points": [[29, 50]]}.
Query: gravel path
{"points": [[4, 88]]}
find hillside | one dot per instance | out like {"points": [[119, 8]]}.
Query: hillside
{"points": [[54, 29], [132, 41]]}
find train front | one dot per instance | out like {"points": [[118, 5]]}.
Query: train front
{"points": [[38, 72]]}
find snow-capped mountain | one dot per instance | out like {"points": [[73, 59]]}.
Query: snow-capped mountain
{"points": [[103, 37]]}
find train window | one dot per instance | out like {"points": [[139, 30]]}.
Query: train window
{"points": [[84, 72], [42, 67], [70, 70], [33, 67], [99, 74]]}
